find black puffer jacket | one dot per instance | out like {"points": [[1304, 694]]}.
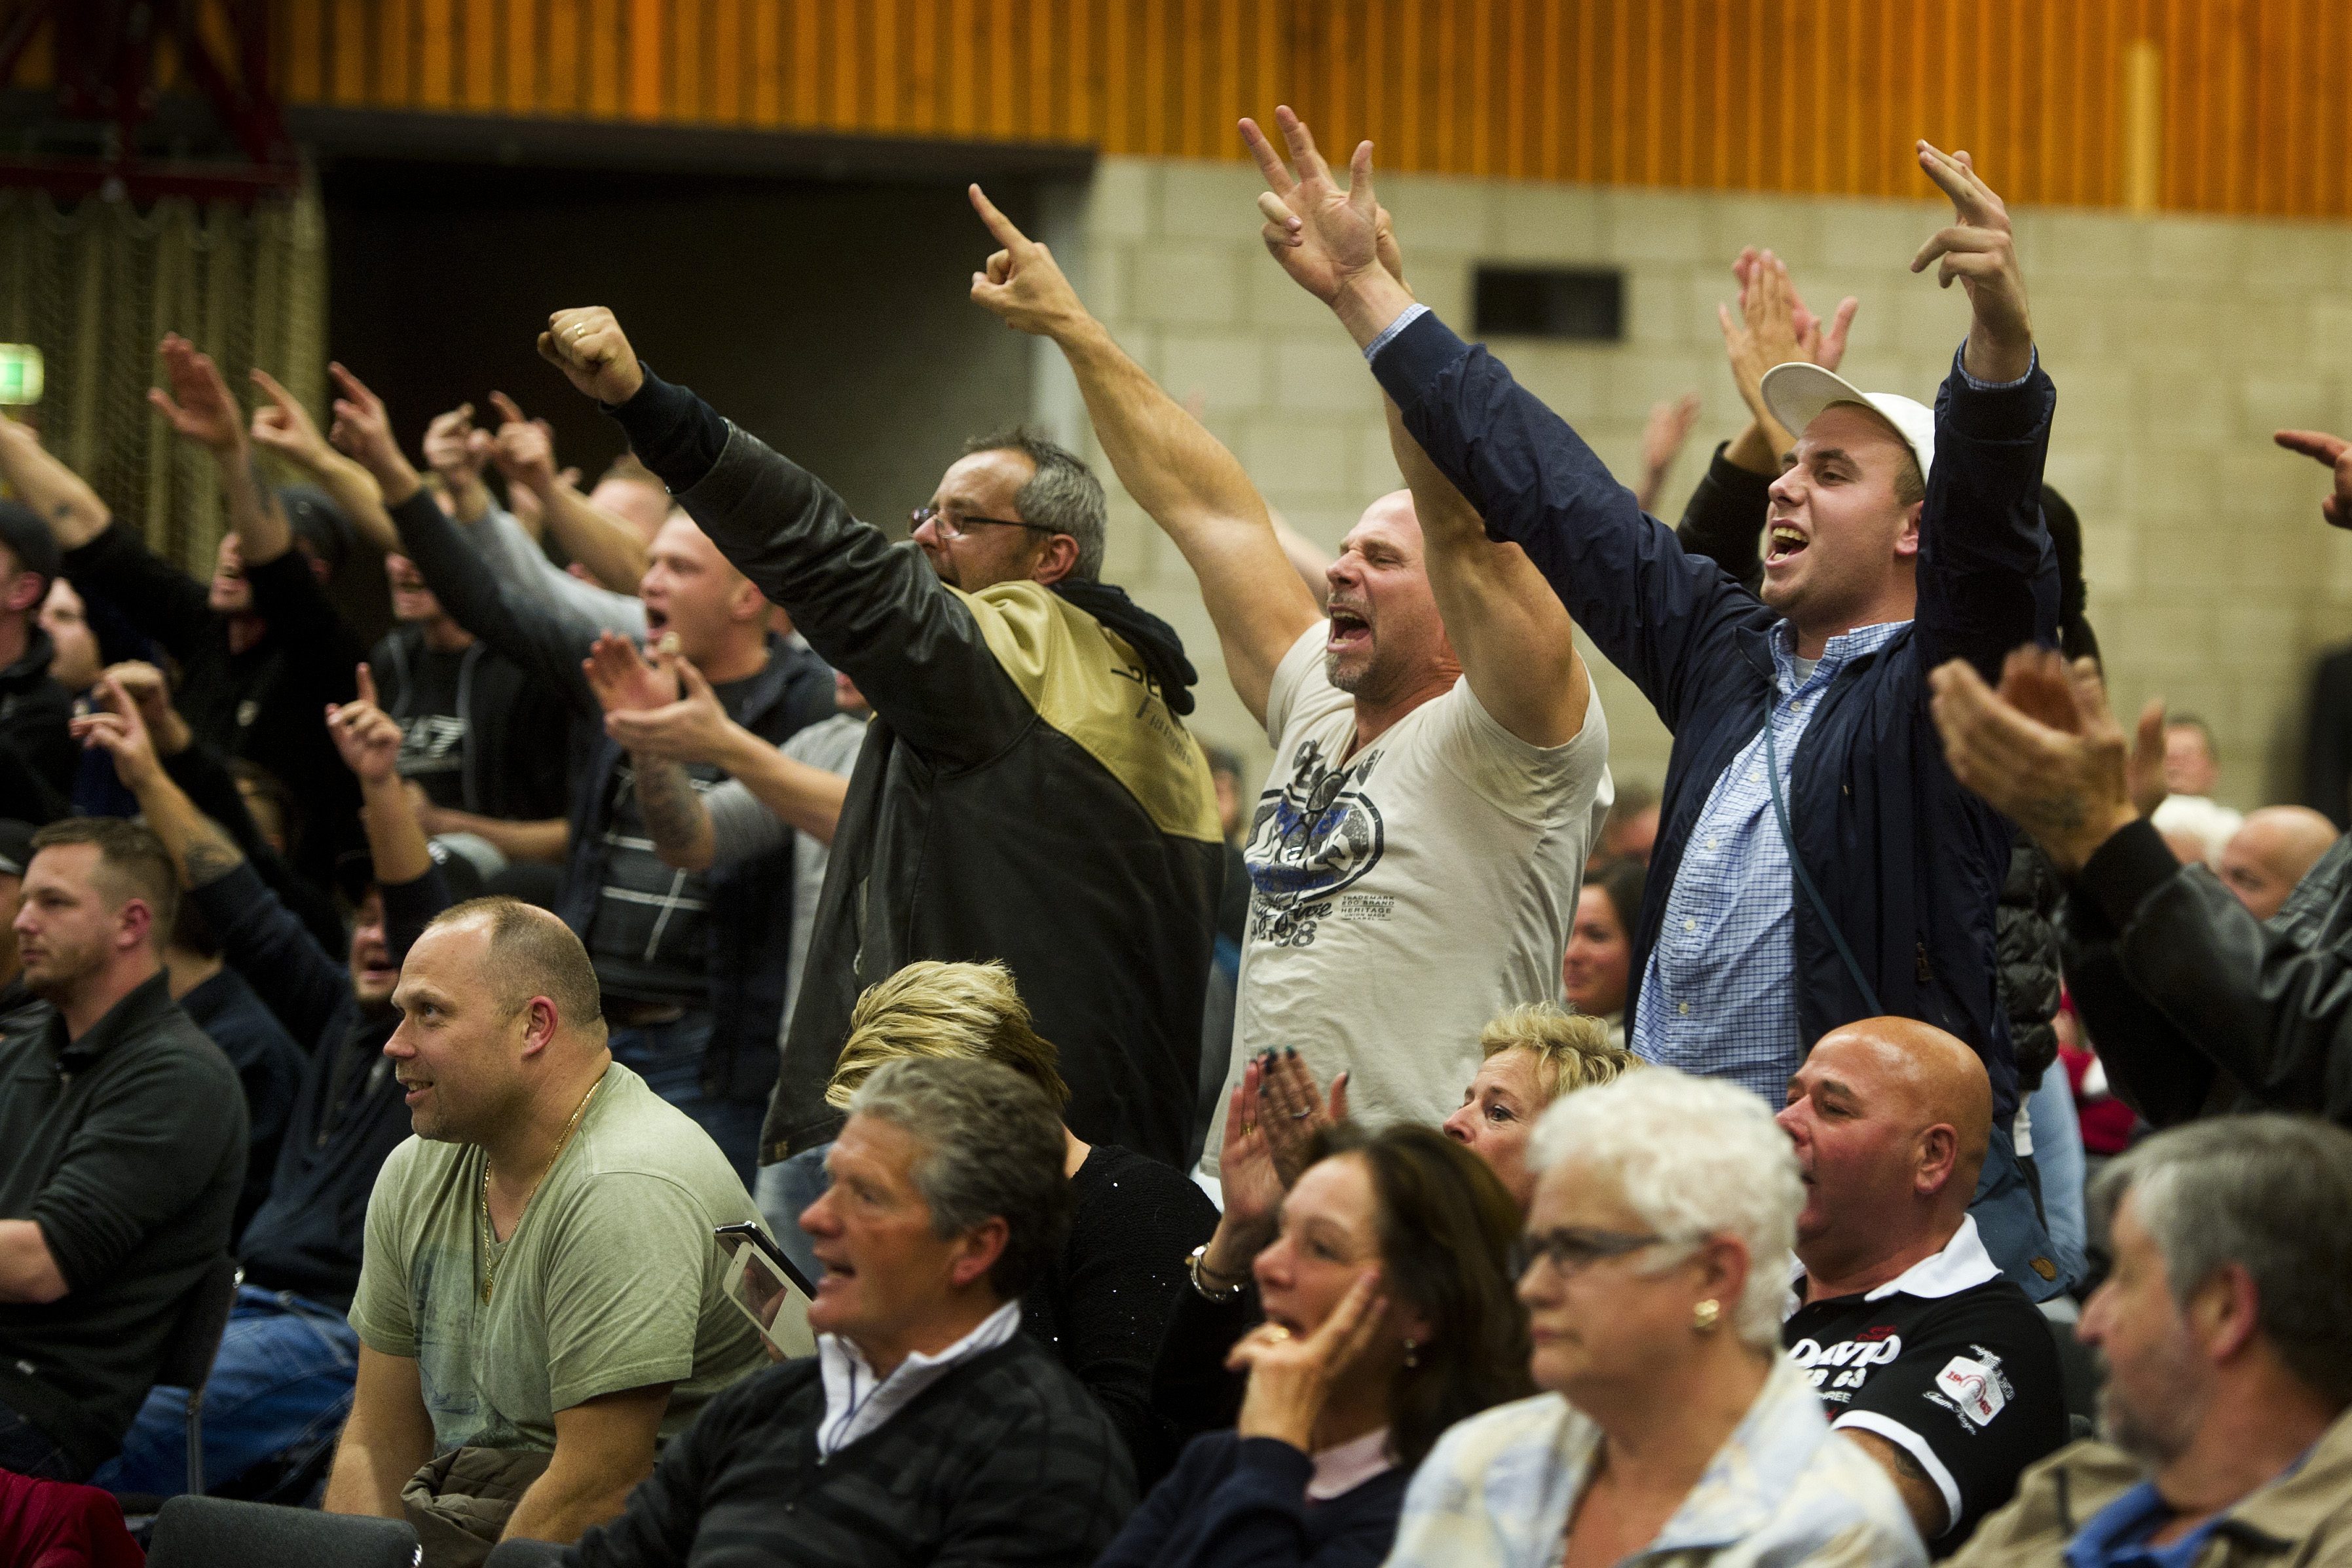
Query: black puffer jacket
{"points": [[2025, 936]]}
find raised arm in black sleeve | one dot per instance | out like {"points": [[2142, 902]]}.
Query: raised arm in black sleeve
{"points": [[1724, 519]]}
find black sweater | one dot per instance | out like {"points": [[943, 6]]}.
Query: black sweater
{"points": [[1105, 1303], [1003, 1460]]}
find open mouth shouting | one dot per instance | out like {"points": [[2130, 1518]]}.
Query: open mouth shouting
{"points": [[1782, 544], [1349, 630]]}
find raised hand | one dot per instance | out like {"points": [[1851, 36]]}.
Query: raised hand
{"points": [[587, 345], [151, 694], [365, 736], [623, 682], [2045, 751], [198, 405], [693, 728], [1979, 250], [1021, 283], [1291, 1376], [285, 426], [2336, 453], [1669, 427], [1324, 237], [523, 449], [117, 730], [1293, 1110], [1245, 1171], [363, 428], [1821, 341], [454, 448]]}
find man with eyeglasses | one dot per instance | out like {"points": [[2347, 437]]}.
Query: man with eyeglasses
{"points": [[1925, 1354], [1026, 790]]}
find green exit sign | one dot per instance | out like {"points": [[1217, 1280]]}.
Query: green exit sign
{"points": [[20, 375]]}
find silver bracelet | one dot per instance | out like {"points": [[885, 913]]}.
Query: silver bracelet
{"points": [[1223, 1296]]}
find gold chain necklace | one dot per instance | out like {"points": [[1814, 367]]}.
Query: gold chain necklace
{"points": [[489, 1234]]}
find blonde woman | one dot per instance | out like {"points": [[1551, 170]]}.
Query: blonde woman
{"points": [[1672, 1428]]}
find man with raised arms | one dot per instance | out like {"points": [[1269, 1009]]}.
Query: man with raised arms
{"points": [[1438, 750], [1816, 861]]}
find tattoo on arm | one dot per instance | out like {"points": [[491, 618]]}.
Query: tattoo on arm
{"points": [[674, 813], [212, 854]]}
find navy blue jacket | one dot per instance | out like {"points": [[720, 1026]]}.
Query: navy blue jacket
{"points": [[1909, 862], [1241, 1502]]}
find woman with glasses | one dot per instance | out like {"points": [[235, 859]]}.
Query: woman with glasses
{"points": [[1671, 1428], [1389, 1317]]}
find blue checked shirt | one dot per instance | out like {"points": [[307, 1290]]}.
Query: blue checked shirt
{"points": [[1718, 997]]}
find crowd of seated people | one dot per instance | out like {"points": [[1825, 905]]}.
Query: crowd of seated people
{"points": [[779, 1044]]}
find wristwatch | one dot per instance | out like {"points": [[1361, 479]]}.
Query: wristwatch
{"points": [[1221, 1296]]}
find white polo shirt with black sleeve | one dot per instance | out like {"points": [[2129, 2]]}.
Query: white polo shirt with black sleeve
{"points": [[1949, 1361]]}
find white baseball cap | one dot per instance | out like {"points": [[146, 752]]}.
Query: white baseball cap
{"points": [[1796, 393]]}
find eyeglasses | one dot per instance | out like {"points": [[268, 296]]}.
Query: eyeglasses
{"points": [[953, 527], [1571, 1250]]}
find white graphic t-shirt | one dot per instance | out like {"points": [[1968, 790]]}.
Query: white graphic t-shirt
{"points": [[1402, 896]]}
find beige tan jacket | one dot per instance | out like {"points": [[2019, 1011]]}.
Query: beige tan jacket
{"points": [[2301, 1522]]}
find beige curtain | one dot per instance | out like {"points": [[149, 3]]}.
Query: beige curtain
{"points": [[95, 290]]}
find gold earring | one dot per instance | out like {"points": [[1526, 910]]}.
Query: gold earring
{"points": [[1703, 1315], [1411, 1354]]}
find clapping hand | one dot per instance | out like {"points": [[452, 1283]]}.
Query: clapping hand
{"points": [[366, 737], [2045, 750], [622, 679], [1979, 250], [198, 405], [693, 728], [1294, 1111], [2335, 452], [587, 345]]}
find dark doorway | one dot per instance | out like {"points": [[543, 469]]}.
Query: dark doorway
{"points": [[830, 319]]}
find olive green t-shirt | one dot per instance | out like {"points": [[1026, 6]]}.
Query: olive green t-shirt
{"points": [[610, 1280]]}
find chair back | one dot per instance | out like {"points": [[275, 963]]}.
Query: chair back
{"points": [[196, 1336], [215, 1532]]}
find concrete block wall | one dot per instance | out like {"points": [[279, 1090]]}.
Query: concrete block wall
{"points": [[2178, 345]]}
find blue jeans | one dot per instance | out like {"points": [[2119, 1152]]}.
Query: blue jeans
{"points": [[669, 1057], [280, 1389], [784, 1189], [2008, 1226], [27, 1450], [2058, 1155]]}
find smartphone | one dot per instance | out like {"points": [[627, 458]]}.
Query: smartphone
{"points": [[767, 1289], [20, 375]]}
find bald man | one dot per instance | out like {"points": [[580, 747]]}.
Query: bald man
{"points": [[2265, 859], [1925, 1354], [541, 1294]]}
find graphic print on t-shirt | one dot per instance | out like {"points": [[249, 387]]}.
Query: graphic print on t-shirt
{"points": [[1838, 1370], [1973, 1386], [1309, 842], [430, 743]]}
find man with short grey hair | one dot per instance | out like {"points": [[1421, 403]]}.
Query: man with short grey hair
{"points": [[2227, 1332], [926, 1427]]}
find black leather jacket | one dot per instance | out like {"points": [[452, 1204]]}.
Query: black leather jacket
{"points": [[2195, 1007]]}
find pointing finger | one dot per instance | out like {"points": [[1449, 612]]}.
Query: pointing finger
{"points": [[366, 683], [509, 413], [2316, 444], [1007, 234]]}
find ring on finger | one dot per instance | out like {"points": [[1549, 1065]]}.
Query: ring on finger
{"points": [[1276, 1334], [1301, 1115]]}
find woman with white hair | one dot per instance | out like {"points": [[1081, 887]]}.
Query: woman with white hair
{"points": [[1671, 1425]]}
